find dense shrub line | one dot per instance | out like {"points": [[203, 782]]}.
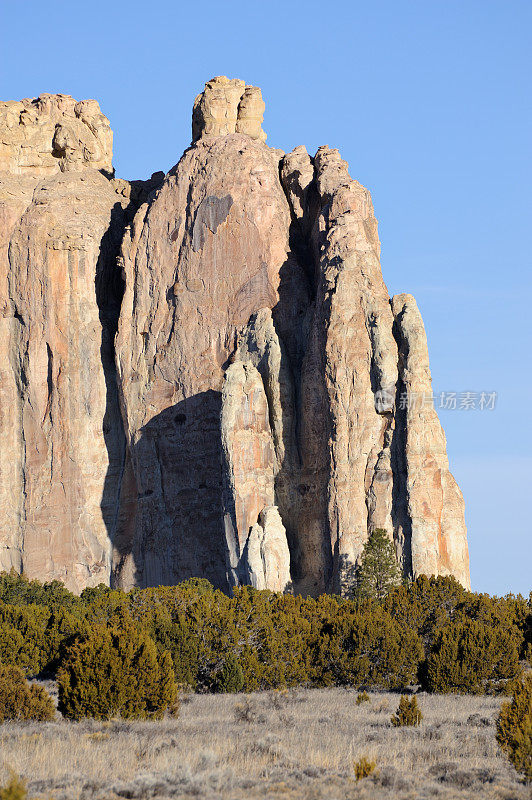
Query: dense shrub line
{"points": [[433, 632]]}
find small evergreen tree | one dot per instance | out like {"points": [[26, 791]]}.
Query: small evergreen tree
{"points": [[514, 728], [20, 700], [408, 713], [231, 677], [116, 670], [378, 571]]}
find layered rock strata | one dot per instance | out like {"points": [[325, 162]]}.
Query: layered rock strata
{"points": [[225, 396]]}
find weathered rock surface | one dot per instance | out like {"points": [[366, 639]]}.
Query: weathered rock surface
{"points": [[199, 261], [62, 444], [245, 424], [37, 134], [266, 555], [434, 503], [228, 106]]}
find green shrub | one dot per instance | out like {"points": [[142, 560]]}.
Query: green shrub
{"points": [[469, 656], [15, 789], [363, 767], [113, 671], [514, 728], [22, 641], [362, 697], [230, 678], [20, 700], [16, 589], [365, 647], [433, 631], [408, 713]]}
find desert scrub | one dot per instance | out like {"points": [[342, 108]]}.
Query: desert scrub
{"points": [[362, 697], [20, 700], [246, 711], [471, 656], [116, 671], [15, 789], [364, 767], [408, 713], [514, 728], [230, 679]]}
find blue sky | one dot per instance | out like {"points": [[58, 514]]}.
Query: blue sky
{"points": [[428, 101]]}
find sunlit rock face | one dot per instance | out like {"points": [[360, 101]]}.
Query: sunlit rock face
{"points": [[62, 442], [201, 375]]}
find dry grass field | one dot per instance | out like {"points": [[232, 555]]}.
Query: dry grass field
{"points": [[295, 744]]}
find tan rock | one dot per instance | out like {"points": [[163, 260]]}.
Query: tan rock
{"points": [[228, 106], [199, 260], [251, 113], [259, 441], [38, 135], [62, 445], [350, 365], [267, 557], [435, 505], [258, 364], [248, 458], [15, 196], [68, 448]]}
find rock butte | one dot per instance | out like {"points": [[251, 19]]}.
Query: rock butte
{"points": [[200, 373]]}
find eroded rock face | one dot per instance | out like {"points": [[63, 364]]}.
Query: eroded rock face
{"points": [[199, 260], [244, 425], [62, 444], [435, 506], [37, 134], [228, 106], [266, 557]]}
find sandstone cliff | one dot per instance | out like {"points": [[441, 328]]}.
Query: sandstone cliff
{"points": [[201, 375]]}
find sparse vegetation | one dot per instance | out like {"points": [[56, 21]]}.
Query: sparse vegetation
{"points": [[362, 697], [514, 728], [364, 767], [15, 789], [408, 713], [305, 748]]}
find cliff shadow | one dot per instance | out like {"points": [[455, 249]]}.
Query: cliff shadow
{"points": [[109, 289], [179, 526]]}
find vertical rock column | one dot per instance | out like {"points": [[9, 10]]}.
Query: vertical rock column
{"points": [[61, 222], [200, 259], [434, 502], [348, 385]]}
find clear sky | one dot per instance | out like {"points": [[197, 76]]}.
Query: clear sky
{"points": [[429, 101]]}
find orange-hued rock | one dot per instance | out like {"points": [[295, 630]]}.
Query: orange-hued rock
{"points": [[67, 447], [204, 375]]}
